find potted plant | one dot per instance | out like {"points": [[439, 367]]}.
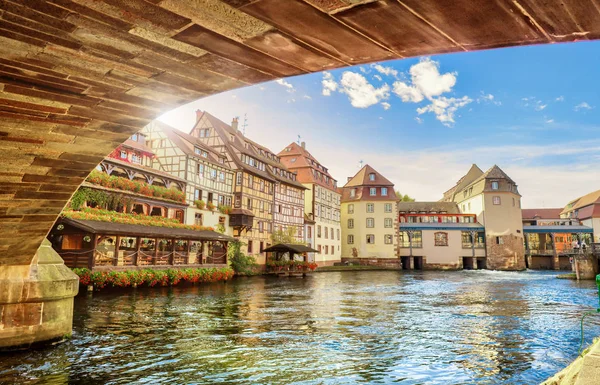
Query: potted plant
{"points": [[199, 204], [210, 206]]}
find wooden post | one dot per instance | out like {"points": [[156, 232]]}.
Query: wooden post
{"points": [[172, 256], [189, 246], [117, 244], [136, 257], [92, 260], [226, 245], [155, 252]]}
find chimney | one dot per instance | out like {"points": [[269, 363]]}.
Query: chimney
{"points": [[198, 115], [234, 123], [303, 145]]}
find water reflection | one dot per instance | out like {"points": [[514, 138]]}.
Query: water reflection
{"points": [[332, 328]]}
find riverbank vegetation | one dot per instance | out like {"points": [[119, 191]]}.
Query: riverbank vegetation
{"points": [[151, 277]]}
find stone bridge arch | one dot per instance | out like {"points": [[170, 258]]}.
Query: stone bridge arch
{"points": [[77, 77]]}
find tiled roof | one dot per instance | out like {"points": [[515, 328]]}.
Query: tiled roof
{"points": [[428, 207], [541, 213], [586, 200], [300, 161], [145, 169], [362, 178], [138, 146], [473, 173], [494, 172], [239, 141]]}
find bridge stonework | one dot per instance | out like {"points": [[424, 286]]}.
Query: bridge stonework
{"points": [[77, 77]]}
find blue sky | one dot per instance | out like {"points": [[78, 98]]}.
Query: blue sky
{"points": [[422, 122]]}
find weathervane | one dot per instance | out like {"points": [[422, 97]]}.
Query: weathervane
{"points": [[360, 163], [245, 124], [298, 141]]}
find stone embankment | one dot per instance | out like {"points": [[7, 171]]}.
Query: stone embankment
{"points": [[584, 370]]}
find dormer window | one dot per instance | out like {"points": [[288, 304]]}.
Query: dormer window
{"points": [[352, 193], [292, 160], [123, 154], [373, 191], [372, 176], [494, 185], [134, 137]]}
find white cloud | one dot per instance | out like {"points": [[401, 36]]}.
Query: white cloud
{"points": [[292, 100], [388, 71], [381, 118], [540, 106], [426, 82], [306, 97], [329, 84], [378, 77], [583, 106], [386, 105], [287, 85], [487, 98], [550, 121], [444, 108], [363, 70], [419, 120], [560, 99], [361, 93], [261, 88]]}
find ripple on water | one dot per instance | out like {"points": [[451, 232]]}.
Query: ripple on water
{"points": [[471, 327]]}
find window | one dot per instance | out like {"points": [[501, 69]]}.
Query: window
{"points": [[388, 239], [326, 249], [338, 234], [370, 239], [260, 226], [331, 232], [200, 169], [251, 181], [350, 223], [292, 160], [135, 158], [373, 191], [384, 191], [249, 247], [372, 176], [350, 209], [123, 154], [213, 173], [387, 222], [495, 185], [210, 197], [308, 231], [198, 219], [262, 185], [222, 220], [221, 176], [370, 207], [469, 205], [319, 248], [72, 242], [499, 241], [496, 200], [350, 239], [352, 193], [197, 194], [319, 231], [513, 202], [238, 178], [326, 233], [370, 222], [249, 203], [134, 137], [441, 239], [388, 207]]}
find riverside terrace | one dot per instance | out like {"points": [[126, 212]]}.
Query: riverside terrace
{"points": [[115, 246]]}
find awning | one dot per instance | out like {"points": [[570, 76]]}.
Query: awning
{"points": [[112, 228], [557, 229], [290, 248]]}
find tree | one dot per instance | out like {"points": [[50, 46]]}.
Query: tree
{"points": [[404, 198], [285, 236], [241, 263]]}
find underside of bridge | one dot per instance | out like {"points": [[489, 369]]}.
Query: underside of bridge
{"points": [[77, 77]]}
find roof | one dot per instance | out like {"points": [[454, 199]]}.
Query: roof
{"points": [[494, 172], [307, 168], [541, 213], [239, 211], [428, 207], [558, 229], [234, 139], [145, 169], [362, 178], [290, 248], [442, 226], [308, 220], [473, 173], [586, 200], [138, 146], [98, 227]]}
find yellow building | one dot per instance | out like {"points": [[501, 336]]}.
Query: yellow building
{"points": [[321, 203], [493, 196], [369, 218]]}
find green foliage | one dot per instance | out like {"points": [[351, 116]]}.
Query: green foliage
{"points": [[224, 209], [150, 277], [220, 228], [285, 236], [199, 204], [100, 199], [404, 198], [241, 263]]}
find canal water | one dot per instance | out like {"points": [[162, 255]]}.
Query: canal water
{"points": [[369, 327]]}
